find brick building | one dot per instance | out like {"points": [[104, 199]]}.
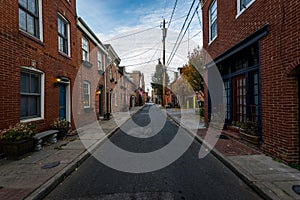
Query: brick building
{"points": [[255, 45], [139, 83], [90, 77], [38, 50]]}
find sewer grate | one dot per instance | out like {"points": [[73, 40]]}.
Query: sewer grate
{"points": [[51, 165], [296, 189]]}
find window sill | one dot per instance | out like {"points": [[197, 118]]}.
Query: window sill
{"points": [[64, 55], [239, 13], [87, 64], [211, 41], [100, 71], [31, 37], [88, 109], [31, 120]]}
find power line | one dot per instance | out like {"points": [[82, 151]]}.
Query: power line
{"points": [[172, 13], [200, 22], [172, 56], [135, 33], [192, 37], [149, 49], [143, 63], [182, 29]]}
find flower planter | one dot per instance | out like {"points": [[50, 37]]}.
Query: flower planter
{"points": [[233, 129], [15, 150], [62, 132], [253, 139]]}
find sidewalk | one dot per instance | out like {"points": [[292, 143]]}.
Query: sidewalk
{"points": [[36, 175], [269, 178]]}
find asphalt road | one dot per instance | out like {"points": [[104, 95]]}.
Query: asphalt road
{"points": [[187, 178]]}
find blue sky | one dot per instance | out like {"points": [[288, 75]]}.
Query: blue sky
{"points": [[110, 19]]}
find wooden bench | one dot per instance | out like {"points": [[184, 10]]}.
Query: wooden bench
{"points": [[50, 135]]}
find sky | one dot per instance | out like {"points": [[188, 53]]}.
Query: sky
{"points": [[133, 28]]}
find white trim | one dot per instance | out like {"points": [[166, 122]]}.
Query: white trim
{"points": [[41, 32], [89, 93], [68, 34], [210, 22], [240, 12], [99, 53], [41, 20], [88, 48], [42, 94], [68, 101], [85, 30]]}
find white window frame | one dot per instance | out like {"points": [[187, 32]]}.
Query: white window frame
{"points": [[61, 17], [86, 49], [42, 103], [89, 93], [215, 2], [40, 21], [110, 73], [242, 10], [100, 60]]}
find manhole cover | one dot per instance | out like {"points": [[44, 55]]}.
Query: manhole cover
{"points": [[51, 165], [296, 189], [224, 137]]}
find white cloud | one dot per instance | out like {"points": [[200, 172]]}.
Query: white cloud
{"points": [[132, 46]]}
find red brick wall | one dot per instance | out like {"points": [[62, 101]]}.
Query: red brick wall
{"points": [[279, 54], [20, 49]]}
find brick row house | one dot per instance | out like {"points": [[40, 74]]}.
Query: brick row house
{"points": [[48, 56], [38, 46], [255, 46]]}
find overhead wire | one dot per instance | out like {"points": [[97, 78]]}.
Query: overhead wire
{"points": [[174, 52], [182, 28], [131, 34], [149, 49], [172, 13]]}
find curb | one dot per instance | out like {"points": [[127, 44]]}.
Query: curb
{"points": [[226, 162], [47, 187]]}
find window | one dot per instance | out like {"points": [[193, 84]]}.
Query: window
{"points": [[116, 98], [85, 49], [115, 74], [242, 5], [240, 98], [63, 35], [86, 94], [227, 98], [213, 21], [32, 90], [254, 96], [99, 60], [30, 17], [110, 73]]}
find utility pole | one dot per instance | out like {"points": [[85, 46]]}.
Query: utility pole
{"points": [[164, 31]]}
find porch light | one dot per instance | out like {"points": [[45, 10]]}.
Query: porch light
{"points": [[57, 81]]}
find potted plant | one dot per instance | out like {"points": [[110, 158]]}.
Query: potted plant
{"points": [[18, 139], [249, 132], [63, 126]]}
